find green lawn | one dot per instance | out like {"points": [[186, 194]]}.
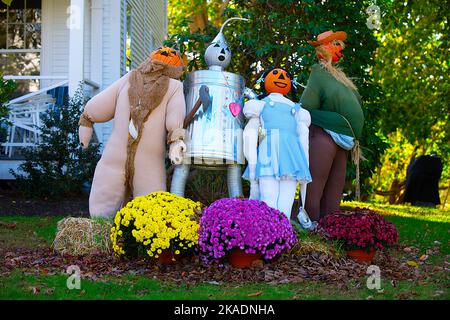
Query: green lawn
{"points": [[426, 231]]}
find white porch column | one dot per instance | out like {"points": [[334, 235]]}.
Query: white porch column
{"points": [[97, 42], [75, 24]]}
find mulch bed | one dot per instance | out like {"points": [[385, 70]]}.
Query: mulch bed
{"points": [[14, 203], [286, 269]]}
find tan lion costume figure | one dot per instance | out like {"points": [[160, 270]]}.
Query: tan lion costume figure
{"points": [[148, 109]]}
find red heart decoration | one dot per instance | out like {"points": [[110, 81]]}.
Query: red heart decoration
{"points": [[235, 109]]}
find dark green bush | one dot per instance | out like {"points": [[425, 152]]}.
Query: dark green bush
{"points": [[7, 87], [58, 167]]}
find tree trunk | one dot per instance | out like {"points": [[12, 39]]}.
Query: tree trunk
{"points": [[200, 17]]}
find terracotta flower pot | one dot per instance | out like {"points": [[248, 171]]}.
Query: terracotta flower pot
{"points": [[361, 255], [241, 259], [167, 257]]}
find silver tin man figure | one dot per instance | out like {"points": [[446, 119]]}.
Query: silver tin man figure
{"points": [[214, 136]]}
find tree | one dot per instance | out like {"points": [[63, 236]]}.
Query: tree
{"points": [[412, 66], [276, 35], [197, 13], [58, 167]]}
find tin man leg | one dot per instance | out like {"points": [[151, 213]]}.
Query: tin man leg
{"points": [[179, 178], [234, 181]]}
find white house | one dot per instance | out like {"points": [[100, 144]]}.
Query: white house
{"points": [[49, 46]]}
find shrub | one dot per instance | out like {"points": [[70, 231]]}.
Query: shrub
{"points": [[57, 166], [160, 221], [249, 225], [359, 229], [7, 87]]}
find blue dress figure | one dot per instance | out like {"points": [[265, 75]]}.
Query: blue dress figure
{"points": [[281, 159]]}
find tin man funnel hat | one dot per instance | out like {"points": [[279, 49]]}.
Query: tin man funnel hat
{"points": [[218, 54], [220, 39]]}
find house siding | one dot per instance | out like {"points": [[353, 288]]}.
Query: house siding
{"points": [[55, 49], [148, 29]]}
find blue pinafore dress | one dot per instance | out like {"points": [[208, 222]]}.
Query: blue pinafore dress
{"points": [[280, 153]]}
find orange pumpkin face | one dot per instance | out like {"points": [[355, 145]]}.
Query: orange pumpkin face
{"points": [[278, 81], [168, 56]]}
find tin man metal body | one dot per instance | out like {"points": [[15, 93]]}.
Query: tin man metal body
{"points": [[214, 139]]}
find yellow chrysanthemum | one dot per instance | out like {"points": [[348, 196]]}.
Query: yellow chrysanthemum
{"points": [[159, 221]]}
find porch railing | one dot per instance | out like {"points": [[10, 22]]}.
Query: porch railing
{"points": [[25, 112]]}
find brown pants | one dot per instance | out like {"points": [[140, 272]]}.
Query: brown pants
{"points": [[327, 164]]}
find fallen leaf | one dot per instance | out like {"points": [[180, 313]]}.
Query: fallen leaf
{"points": [[35, 290], [82, 293], [412, 263], [8, 225], [423, 257], [49, 291], [256, 294], [257, 264]]}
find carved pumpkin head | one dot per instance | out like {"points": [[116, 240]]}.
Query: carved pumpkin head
{"points": [[168, 55], [277, 81]]}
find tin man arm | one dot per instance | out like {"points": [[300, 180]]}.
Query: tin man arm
{"points": [[175, 114]]}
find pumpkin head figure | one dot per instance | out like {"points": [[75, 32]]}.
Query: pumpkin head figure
{"points": [[277, 81], [168, 55]]}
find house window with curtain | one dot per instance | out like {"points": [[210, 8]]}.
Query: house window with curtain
{"points": [[20, 42]]}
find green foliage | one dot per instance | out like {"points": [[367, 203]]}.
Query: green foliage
{"points": [[276, 35], [412, 66], [58, 166], [7, 87]]}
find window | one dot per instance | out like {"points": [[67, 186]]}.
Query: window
{"points": [[20, 40]]}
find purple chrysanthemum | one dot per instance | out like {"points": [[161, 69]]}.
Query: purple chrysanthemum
{"points": [[249, 225]]}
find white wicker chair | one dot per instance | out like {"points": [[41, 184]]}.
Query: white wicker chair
{"points": [[25, 119]]}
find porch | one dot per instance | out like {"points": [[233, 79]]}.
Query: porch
{"points": [[49, 48]]}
